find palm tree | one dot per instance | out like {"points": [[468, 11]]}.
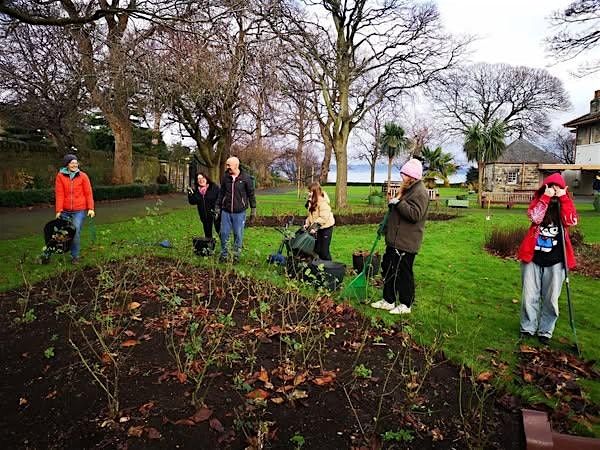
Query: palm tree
{"points": [[438, 164], [484, 144], [393, 142]]}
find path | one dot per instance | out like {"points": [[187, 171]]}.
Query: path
{"points": [[20, 222]]}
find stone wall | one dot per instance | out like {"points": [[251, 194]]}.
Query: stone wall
{"points": [[528, 177], [36, 165]]}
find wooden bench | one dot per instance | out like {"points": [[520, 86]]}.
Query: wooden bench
{"points": [[433, 194], [506, 198]]}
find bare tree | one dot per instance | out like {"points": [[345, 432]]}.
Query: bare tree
{"points": [[108, 40], [577, 33], [520, 97], [288, 162], [368, 134], [108, 50], [362, 52], [204, 70], [562, 145], [40, 84], [52, 12]]}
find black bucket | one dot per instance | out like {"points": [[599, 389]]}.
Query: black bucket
{"points": [[203, 246], [358, 263], [58, 236], [326, 274]]}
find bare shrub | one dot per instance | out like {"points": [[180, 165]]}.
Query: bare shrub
{"points": [[505, 241]]}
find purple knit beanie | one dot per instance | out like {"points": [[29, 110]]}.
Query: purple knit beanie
{"points": [[68, 158]]}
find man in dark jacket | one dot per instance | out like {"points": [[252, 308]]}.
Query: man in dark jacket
{"points": [[236, 195], [596, 185]]}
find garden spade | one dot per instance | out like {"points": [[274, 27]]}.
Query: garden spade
{"points": [[358, 288], [568, 285]]}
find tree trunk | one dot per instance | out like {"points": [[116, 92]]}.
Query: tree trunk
{"points": [[324, 173], [389, 172], [481, 169], [156, 128], [341, 161], [373, 173], [341, 179], [123, 162]]}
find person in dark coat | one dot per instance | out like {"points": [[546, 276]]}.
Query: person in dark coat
{"points": [[204, 195], [403, 238], [596, 185], [235, 197]]}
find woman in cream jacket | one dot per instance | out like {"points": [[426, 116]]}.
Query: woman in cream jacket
{"points": [[319, 213]]}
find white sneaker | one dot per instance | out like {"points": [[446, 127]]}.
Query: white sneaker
{"points": [[400, 309], [382, 304]]}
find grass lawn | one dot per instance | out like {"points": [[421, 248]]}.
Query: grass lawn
{"points": [[467, 300]]}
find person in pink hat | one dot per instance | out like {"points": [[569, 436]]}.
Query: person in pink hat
{"points": [[403, 238], [542, 256]]}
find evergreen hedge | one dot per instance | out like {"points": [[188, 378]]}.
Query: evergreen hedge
{"points": [[30, 197]]}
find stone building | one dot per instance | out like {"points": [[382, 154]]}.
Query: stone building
{"points": [[518, 169], [587, 150]]}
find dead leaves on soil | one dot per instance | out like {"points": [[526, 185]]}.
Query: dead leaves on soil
{"points": [[556, 374], [139, 430]]}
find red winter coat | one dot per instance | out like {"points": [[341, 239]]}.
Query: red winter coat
{"points": [[73, 194], [537, 211]]}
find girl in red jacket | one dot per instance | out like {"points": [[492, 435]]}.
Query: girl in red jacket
{"points": [[551, 213], [73, 192]]}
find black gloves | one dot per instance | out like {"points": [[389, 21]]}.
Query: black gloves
{"points": [[252, 217]]}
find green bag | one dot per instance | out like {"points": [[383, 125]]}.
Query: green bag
{"points": [[303, 242]]}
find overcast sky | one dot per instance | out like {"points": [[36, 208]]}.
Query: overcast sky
{"points": [[513, 32]]}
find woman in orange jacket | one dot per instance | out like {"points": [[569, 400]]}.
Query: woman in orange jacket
{"points": [[74, 198]]}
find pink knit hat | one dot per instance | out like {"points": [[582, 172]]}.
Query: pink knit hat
{"points": [[413, 168]]}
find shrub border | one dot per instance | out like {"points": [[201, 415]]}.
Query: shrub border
{"points": [[28, 197]]}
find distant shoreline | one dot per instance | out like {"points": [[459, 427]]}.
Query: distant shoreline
{"points": [[361, 173]]}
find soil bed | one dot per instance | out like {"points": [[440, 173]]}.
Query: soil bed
{"points": [[204, 359]]}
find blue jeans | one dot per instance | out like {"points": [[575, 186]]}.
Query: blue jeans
{"points": [[539, 301], [232, 222], [76, 218]]}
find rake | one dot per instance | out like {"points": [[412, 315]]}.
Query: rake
{"points": [[358, 288], [568, 285]]}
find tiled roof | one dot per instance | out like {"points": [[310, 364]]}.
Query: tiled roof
{"points": [[586, 118], [522, 151]]}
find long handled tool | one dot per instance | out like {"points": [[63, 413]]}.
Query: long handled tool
{"points": [[358, 288], [565, 266]]}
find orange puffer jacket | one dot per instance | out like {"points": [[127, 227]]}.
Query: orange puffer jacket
{"points": [[73, 194]]}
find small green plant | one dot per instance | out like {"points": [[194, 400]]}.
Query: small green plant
{"points": [[239, 383], [398, 436], [27, 317], [49, 352], [375, 191], [298, 440], [361, 371], [226, 319]]}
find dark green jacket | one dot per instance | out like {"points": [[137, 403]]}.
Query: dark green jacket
{"points": [[406, 222]]}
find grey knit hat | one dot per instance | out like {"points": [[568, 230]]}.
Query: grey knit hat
{"points": [[68, 158]]}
